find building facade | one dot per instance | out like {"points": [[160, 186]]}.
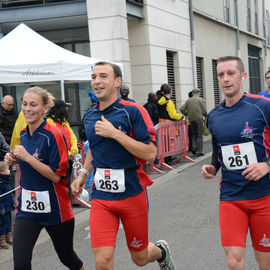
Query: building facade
{"points": [[157, 41], [229, 27]]}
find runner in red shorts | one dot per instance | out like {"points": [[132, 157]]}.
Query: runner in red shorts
{"points": [[121, 138], [240, 128]]}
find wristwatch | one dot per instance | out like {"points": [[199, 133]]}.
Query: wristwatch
{"points": [[268, 161], [83, 170]]}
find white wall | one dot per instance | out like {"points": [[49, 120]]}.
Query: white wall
{"points": [[108, 33], [165, 27]]}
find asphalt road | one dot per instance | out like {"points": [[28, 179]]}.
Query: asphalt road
{"points": [[183, 211]]}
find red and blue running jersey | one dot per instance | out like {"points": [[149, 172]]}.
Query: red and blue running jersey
{"points": [[48, 145], [241, 136], [133, 120]]}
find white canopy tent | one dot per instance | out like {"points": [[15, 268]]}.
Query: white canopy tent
{"points": [[26, 56]]}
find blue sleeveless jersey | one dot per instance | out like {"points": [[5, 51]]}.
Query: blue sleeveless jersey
{"points": [[246, 121]]}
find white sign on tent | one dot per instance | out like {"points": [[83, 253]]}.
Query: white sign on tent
{"points": [[27, 56]]}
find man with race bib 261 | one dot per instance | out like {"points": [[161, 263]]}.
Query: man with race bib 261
{"points": [[240, 128]]}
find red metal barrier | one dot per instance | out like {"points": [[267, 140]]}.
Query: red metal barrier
{"points": [[172, 139]]}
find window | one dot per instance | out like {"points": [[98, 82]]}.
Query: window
{"points": [[170, 72], [254, 69], [226, 10], [267, 23], [16, 3], [199, 66], [215, 82], [248, 16], [77, 93], [256, 24]]}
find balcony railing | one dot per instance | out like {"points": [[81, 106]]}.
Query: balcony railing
{"points": [[17, 3]]}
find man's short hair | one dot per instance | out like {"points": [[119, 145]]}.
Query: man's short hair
{"points": [[239, 61], [116, 69], [196, 90], [165, 88], [268, 71]]}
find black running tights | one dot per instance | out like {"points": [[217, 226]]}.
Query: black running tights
{"points": [[26, 232]]}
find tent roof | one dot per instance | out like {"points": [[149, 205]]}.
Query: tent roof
{"points": [[27, 56]]}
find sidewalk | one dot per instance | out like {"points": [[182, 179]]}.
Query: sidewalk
{"points": [[184, 164]]}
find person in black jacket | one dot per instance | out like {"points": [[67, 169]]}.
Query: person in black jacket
{"points": [[8, 117], [151, 107]]}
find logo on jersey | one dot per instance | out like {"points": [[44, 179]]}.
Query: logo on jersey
{"points": [[136, 243], [248, 132], [36, 155], [265, 242]]}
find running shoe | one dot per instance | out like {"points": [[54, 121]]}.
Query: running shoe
{"points": [[167, 263]]}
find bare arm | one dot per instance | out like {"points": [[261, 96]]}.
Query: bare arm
{"points": [[139, 149]]}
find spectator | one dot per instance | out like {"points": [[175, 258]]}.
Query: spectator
{"points": [[151, 107], [58, 116], [167, 113], [166, 107], [124, 92], [159, 94], [4, 147], [6, 207], [189, 128], [8, 117], [195, 109], [19, 125], [94, 101], [266, 93]]}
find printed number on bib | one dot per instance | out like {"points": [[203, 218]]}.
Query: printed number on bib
{"points": [[236, 157], [35, 201], [110, 180]]}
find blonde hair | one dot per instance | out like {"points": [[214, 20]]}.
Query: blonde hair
{"points": [[47, 97]]}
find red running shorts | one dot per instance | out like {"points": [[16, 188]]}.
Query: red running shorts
{"points": [[105, 216], [236, 217]]}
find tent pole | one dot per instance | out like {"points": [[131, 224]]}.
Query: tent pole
{"points": [[62, 90]]}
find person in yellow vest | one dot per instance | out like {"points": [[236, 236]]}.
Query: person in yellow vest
{"points": [[19, 125]]}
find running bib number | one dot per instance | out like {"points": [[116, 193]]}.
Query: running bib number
{"points": [[35, 201], [110, 180], [236, 157]]}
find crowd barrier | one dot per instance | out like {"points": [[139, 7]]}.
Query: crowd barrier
{"points": [[74, 198], [172, 139]]}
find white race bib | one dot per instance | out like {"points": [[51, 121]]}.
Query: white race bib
{"points": [[110, 180], [237, 156], [35, 201]]}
